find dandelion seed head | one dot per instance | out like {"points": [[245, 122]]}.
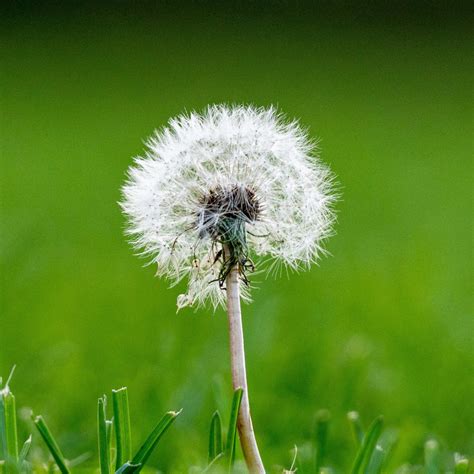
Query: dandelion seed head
{"points": [[227, 187]]}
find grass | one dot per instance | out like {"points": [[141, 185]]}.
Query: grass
{"points": [[116, 451], [383, 325], [371, 456]]}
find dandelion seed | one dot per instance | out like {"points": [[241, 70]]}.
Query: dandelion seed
{"points": [[238, 177]]}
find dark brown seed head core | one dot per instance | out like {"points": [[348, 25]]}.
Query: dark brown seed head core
{"points": [[222, 207], [223, 215], [238, 201]]}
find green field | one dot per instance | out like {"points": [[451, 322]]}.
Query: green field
{"points": [[383, 325]]}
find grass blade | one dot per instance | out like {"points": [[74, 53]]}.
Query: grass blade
{"points": [[214, 462], [109, 424], [81, 459], [154, 437], [382, 451], [51, 443], [374, 433], [321, 435], [24, 451], [122, 426], [104, 448], [232, 431], [128, 468], [356, 427], [367, 447], [377, 460], [215, 437], [3, 433], [432, 457], [8, 427]]}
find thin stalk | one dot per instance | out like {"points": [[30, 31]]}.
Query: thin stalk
{"points": [[239, 376]]}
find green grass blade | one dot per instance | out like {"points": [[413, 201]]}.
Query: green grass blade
{"points": [[367, 447], [214, 462], [8, 427], [232, 431], [215, 437], [150, 443], [356, 427], [128, 468], [3, 434], [377, 460], [432, 457], [382, 452], [51, 443], [109, 424], [24, 451], [461, 464], [111, 442], [374, 432], [81, 459], [123, 434], [321, 435], [104, 447]]}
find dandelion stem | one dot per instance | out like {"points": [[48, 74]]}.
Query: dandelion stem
{"points": [[239, 376]]}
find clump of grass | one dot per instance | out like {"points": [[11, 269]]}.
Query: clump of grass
{"points": [[110, 453], [373, 447], [115, 448], [223, 453], [13, 459]]}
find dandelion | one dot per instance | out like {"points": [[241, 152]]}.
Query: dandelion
{"points": [[238, 177], [219, 195]]}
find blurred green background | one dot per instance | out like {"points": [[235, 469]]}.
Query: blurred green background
{"points": [[384, 325]]}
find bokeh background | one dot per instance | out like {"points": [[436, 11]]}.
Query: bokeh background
{"points": [[384, 325]]}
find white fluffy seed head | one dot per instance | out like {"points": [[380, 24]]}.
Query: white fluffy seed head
{"points": [[237, 177]]}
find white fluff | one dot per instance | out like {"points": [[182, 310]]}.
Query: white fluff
{"points": [[224, 148]]}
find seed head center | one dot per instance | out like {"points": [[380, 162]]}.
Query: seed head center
{"points": [[226, 210], [223, 216]]}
